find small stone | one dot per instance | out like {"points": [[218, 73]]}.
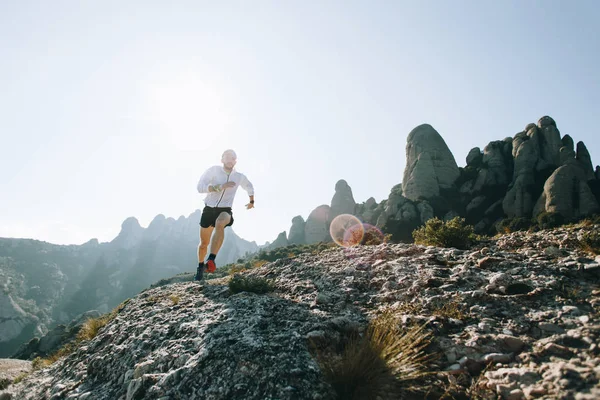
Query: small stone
{"points": [[322, 298], [454, 367], [510, 343], [498, 358], [515, 394], [571, 310], [488, 262], [553, 349], [536, 391], [584, 319], [553, 328]]}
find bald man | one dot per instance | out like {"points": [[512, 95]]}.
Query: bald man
{"points": [[221, 183]]}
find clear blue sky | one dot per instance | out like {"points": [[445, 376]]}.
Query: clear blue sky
{"points": [[111, 109]]}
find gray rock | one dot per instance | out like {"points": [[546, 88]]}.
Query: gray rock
{"points": [[551, 141], [342, 201], [585, 161], [316, 228], [497, 164], [475, 157], [567, 156], [429, 164], [425, 211], [296, 235], [281, 241], [567, 141], [475, 203], [567, 193]]}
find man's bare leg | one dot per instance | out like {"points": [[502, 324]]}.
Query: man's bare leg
{"points": [[205, 234], [222, 220]]}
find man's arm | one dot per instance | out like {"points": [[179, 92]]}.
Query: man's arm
{"points": [[248, 187], [205, 180]]}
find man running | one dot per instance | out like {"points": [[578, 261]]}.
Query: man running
{"points": [[221, 183]]}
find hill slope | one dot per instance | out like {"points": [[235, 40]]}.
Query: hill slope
{"points": [[516, 317]]}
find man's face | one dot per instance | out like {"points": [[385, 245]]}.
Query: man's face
{"points": [[228, 160]]}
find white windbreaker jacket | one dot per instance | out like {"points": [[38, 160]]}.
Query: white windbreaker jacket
{"points": [[217, 176]]}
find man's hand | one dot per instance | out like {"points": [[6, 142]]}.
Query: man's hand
{"points": [[249, 206], [228, 185]]}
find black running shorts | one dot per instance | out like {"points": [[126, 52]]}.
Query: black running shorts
{"points": [[210, 215]]}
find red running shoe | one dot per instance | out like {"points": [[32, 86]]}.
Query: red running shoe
{"points": [[211, 266]]}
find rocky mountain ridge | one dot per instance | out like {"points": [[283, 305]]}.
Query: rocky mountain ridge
{"points": [[516, 317], [535, 172], [45, 284]]}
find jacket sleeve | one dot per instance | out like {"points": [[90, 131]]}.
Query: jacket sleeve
{"points": [[205, 180], [247, 185]]}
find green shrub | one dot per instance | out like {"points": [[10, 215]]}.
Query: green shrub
{"points": [[454, 233], [254, 284], [549, 220]]}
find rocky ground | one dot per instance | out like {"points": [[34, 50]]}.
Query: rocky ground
{"points": [[12, 369], [516, 317]]}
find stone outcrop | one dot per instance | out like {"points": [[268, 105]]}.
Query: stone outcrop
{"points": [[281, 241], [316, 228], [430, 165], [296, 235], [567, 193], [342, 201], [505, 180], [585, 161]]}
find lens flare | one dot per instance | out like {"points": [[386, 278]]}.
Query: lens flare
{"points": [[346, 230], [373, 235]]}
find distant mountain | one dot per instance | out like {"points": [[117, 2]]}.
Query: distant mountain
{"points": [[44, 284]]}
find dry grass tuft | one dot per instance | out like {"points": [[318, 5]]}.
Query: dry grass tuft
{"points": [[452, 309], [382, 363], [88, 331]]}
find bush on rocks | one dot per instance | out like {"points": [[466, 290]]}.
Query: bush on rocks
{"points": [[254, 284], [454, 233]]}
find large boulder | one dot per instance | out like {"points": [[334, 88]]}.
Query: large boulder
{"points": [[496, 158], [567, 193], [585, 161], [430, 165], [550, 142], [342, 201], [475, 157], [296, 235], [281, 241], [520, 199], [317, 227]]}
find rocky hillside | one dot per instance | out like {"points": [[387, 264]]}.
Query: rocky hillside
{"points": [[45, 284], [516, 317], [536, 173]]}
